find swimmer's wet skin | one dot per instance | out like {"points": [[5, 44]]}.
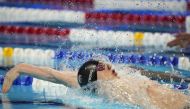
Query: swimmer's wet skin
{"points": [[126, 88]]}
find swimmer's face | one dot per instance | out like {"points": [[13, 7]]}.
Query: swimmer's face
{"points": [[106, 72]]}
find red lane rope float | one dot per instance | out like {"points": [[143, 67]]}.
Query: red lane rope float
{"points": [[43, 35], [118, 18], [33, 30], [30, 34]]}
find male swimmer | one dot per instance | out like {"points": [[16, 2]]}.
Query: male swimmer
{"points": [[124, 88]]}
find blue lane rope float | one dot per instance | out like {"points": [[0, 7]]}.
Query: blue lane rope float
{"points": [[144, 59], [123, 58]]}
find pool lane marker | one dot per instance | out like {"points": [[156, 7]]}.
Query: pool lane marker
{"points": [[33, 30], [47, 57], [179, 62], [32, 34], [15, 14]]}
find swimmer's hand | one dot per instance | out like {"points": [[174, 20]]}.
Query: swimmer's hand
{"points": [[9, 79], [182, 40]]}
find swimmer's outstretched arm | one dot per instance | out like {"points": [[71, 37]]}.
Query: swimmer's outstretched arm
{"points": [[162, 75], [165, 76], [67, 78]]}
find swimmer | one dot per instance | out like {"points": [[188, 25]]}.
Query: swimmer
{"points": [[125, 88]]}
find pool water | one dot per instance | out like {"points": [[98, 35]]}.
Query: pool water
{"points": [[80, 39]]}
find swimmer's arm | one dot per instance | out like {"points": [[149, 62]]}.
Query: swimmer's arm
{"points": [[48, 74], [162, 75]]}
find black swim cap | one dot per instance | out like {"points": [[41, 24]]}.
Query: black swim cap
{"points": [[87, 73]]}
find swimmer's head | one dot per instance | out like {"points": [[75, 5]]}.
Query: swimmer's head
{"points": [[87, 73], [94, 70]]}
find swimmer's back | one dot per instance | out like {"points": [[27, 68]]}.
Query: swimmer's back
{"points": [[125, 91], [137, 89]]}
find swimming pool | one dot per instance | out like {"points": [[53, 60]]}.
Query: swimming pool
{"points": [[64, 36]]}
